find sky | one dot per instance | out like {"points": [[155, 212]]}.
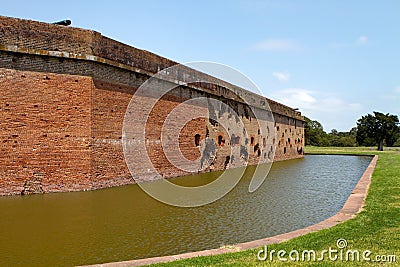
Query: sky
{"points": [[334, 60]]}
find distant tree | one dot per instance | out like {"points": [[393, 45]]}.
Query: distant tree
{"points": [[379, 128], [314, 133], [397, 142], [393, 135], [353, 131], [341, 139], [334, 132]]}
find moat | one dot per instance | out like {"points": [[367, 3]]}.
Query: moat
{"points": [[123, 223]]}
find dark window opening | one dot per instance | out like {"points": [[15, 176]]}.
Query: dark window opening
{"points": [[213, 122], [256, 147], [197, 140], [300, 150], [227, 159], [284, 150], [252, 141], [221, 140]]}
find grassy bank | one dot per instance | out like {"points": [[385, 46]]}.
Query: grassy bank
{"points": [[376, 228]]}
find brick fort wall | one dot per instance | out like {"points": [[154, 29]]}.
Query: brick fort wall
{"points": [[63, 95]]}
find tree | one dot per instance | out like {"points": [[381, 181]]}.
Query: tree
{"points": [[314, 133], [342, 139], [333, 132], [378, 127]]}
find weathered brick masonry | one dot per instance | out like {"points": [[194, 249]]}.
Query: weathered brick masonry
{"points": [[63, 95]]}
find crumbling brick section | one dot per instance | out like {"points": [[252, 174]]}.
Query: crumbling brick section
{"points": [[34, 185]]}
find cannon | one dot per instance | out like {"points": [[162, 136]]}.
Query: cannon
{"points": [[65, 22]]}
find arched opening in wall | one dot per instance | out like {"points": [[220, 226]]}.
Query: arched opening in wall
{"points": [[284, 150], [227, 159], [256, 147], [277, 128], [221, 141], [252, 141], [300, 150], [288, 140], [197, 140], [258, 152]]}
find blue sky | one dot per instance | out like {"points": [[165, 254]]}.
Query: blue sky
{"points": [[335, 60]]}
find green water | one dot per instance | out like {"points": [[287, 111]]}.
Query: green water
{"points": [[123, 223]]}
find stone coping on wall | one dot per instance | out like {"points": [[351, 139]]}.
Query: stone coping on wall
{"points": [[351, 208]]}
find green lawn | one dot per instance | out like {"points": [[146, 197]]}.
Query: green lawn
{"points": [[376, 228]]}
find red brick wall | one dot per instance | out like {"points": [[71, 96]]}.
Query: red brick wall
{"points": [[67, 129], [45, 130], [62, 132]]}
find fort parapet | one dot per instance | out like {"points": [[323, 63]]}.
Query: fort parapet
{"points": [[64, 92]]}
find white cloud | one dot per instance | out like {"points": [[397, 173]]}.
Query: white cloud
{"points": [[328, 108], [362, 40], [281, 76], [312, 100], [295, 97], [276, 45]]}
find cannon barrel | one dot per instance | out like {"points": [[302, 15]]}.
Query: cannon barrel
{"points": [[65, 22]]}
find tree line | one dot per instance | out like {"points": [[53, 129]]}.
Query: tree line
{"points": [[377, 129]]}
